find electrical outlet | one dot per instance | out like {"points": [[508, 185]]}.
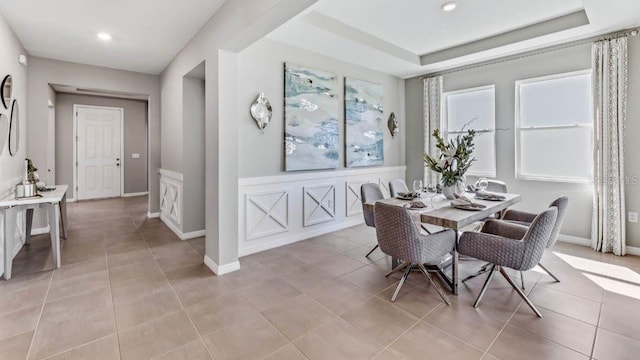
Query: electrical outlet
{"points": [[633, 217]]}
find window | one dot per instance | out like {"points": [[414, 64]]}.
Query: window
{"points": [[473, 109], [554, 128]]}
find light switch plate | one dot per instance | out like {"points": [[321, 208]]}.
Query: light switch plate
{"points": [[633, 217], [135, 156]]}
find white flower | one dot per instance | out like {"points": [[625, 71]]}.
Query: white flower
{"points": [[449, 153], [443, 163]]}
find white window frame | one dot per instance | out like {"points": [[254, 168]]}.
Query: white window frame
{"points": [[519, 129], [444, 126]]}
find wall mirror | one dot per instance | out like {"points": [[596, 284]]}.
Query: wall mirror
{"points": [[14, 129], [7, 91], [4, 131]]}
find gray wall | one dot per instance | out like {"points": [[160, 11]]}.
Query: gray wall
{"points": [[261, 69], [235, 25], [11, 166], [43, 72], [536, 195], [135, 138], [194, 155]]}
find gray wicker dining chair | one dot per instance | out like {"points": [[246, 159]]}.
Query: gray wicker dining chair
{"points": [[370, 192], [397, 186], [525, 219], [400, 237], [501, 252]]}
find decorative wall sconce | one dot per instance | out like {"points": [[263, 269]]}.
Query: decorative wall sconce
{"points": [[261, 112], [392, 123]]}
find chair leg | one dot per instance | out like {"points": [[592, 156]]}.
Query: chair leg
{"points": [[397, 268], [485, 286], [548, 272], [522, 279], [372, 250], [442, 295], [402, 280], [517, 289]]}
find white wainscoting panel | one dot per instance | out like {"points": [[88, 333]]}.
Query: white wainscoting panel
{"points": [[278, 210], [171, 200], [319, 204], [267, 213]]}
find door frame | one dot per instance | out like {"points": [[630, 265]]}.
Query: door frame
{"points": [[75, 144]]}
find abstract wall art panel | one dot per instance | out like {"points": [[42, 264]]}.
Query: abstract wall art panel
{"points": [[363, 116], [311, 119]]}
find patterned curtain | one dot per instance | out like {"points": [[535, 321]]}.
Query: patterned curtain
{"points": [[432, 115], [609, 62]]}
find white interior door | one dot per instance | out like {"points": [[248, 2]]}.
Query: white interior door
{"points": [[99, 141]]}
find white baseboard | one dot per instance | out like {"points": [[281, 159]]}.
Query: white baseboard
{"points": [[135, 194], [632, 250], [574, 240], [299, 237], [40, 231], [151, 215], [71, 200], [179, 233], [221, 270]]}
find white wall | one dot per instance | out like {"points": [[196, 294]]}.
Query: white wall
{"points": [[193, 163], [261, 69], [43, 72]]}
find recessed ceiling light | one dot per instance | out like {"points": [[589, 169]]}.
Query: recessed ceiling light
{"points": [[104, 36], [449, 6]]}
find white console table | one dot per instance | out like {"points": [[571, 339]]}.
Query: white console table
{"points": [[54, 202]]}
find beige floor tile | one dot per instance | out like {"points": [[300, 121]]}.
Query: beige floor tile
{"points": [[389, 354], [305, 277], [566, 304], [620, 321], [146, 308], [15, 347], [22, 299], [78, 285], [19, 322], [379, 320], [156, 337], [125, 247], [221, 312], [81, 269], [369, 279], [610, 345], [339, 295], [270, 293], [25, 281], [129, 258], [427, 342], [338, 265], [103, 349], [566, 331], [337, 340], [622, 301], [73, 321], [194, 350], [515, 343], [233, 343], [133, 271], [311, 253], [180, 260], [298, 316], [358, 253], [289, 352], [577, 285], [196, 284], [140, 287], [416, 300]]}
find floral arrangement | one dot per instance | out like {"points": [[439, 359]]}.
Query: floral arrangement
{"points": [[455, 158]]}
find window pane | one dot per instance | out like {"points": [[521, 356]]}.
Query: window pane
{"points": [[464, 107], [564, 153], [562, 101], [485, 154]]}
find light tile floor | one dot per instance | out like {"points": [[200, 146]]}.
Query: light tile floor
{"points": [[129, 289]]}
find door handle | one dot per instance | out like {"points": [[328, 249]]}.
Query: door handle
{"points": [[118, 164]]}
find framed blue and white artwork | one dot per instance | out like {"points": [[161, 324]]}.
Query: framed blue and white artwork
{"points": [[363, 107], [311, 119]]}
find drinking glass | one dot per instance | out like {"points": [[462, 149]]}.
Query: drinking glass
{"points": [[483, 183], [417, 186]]}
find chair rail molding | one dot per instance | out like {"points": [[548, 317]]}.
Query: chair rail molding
{"points": [[282, 209]]}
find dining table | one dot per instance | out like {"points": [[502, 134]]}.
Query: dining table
{"points": [[439, 211]]}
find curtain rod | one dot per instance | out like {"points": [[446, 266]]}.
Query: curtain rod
{"points": [[610, 36]]}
